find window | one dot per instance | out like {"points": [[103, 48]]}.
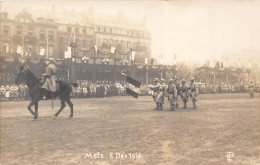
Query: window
{"points": [[98, 29], [6, 31], [77, 30], [61, 39], [6, 48], [105, 30], [19, 32], [50, 37], [42, 36], [110, 30], [84, 43], [69, 29], [84, 31]]}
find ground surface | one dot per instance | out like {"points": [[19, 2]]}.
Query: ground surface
{"points": [[222, 123]]}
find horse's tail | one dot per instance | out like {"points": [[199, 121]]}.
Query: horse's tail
{"points": [[74, 84]]}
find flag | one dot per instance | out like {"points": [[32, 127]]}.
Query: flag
{"points": [[146, 60], [132, 87], [67, 54], [133, 55], [95, 46], [42, 51], [19, 49], [113, 49]]}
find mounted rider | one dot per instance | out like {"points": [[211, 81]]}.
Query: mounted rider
{"points": [[50, 78]]}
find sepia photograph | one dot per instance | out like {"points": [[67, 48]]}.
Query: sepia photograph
{"points": [[113, 82]]}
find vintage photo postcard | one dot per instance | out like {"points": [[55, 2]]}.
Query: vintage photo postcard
{"points": [[129, 82]]}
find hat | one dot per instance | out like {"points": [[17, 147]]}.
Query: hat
{"points": [[171, 81], [192, 79], [183, 80], [156, 80]]}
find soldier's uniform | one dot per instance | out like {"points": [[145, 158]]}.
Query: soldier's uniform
{"points": [[194, 91], [2, 92], [184, 93], [155, 89], [172, 94], [50, 78], [251, 88], [177, 85]]}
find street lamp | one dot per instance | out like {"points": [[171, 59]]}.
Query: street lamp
{"points": [[73, 45]]}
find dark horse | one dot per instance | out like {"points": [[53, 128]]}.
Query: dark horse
{"points": [[37, 93]]}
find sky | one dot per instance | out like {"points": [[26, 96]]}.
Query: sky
{"points": [[191, 30]]}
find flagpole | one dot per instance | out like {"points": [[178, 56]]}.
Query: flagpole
{"points": [[47, 49]]}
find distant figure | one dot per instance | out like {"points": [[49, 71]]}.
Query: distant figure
{"points": [[155, 89], [177, 85], [50, 78], [194, 91], [251, 89], [184, 93], [172, 94]]}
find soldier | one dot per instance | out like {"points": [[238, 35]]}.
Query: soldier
{"points": [[172, 94], [155, 89], [194, 91], [251, 87], [50, 78], [177, 85], [161, 94], [2, 92], [184, 93]]}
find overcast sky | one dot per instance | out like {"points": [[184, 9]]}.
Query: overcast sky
{"points": [[193, 30]]}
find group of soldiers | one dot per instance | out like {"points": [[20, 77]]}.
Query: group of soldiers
{"points": [[173, 91]]}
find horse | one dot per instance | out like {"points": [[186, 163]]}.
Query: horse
{"points": [[36, 92]]}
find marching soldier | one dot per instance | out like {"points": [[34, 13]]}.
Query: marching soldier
{"points": [[194, 91], [50, 78], [184, 93], [251, 87], [172, 94], [2, 92], [161, 94], [177, 85], [155, 89]]}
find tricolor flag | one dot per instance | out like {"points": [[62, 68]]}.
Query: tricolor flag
{"points": [[42, 51], [67, 54], [113, 49], [95, 48], [132, 87]]}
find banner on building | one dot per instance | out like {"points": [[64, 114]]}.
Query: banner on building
{"points": [[42, 51], [113, 49], [67, 54]]}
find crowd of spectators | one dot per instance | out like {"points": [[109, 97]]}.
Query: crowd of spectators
{"points": [[98, 89]]}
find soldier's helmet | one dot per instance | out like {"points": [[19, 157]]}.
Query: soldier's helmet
{"points": [[51, 60], [183, 81], [162, 80], [156, 80], [192, 79], [175, 77], [170, 81]]}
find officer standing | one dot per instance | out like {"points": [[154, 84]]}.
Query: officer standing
{"points": [[172, 94], [155, 89], [177, 85], [193, 87], [184, 93], [161, 94]]}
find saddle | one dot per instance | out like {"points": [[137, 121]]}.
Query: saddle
{"points": [[42, 81]]}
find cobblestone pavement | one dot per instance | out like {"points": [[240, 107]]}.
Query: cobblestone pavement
{"points": [[124, 130]]}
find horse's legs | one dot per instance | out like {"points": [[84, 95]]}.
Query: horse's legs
{"points": [[30, 107], [36, 110], [62, 100], [71, 107]]}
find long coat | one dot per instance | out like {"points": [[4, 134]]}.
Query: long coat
{"points": [[50, 81]]}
